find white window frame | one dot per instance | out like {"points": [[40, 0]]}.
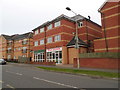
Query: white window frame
{"points": [[57, 38], [36, 32], [80, 24], [36, 43], [42, 42], [49, 40], [56, 24], [42, 30], [49, 27]]}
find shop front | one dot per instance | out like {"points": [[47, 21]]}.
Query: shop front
{"points": [[39, 56], [54, 54]]}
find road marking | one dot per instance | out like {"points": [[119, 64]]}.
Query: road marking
{"points": [[10, 72], [55, 82], [19, 74], [14, 73], [9, 86]]}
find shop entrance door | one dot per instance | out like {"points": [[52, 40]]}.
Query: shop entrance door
{"points": [[57, 55]]}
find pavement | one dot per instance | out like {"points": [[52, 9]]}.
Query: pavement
{"points": [[69, 66], [26, 76]]}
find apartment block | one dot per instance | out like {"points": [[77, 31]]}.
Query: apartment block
{"points": [[55, 40], [110, 17], [15, 46]]}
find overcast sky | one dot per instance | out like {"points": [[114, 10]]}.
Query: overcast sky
{"points": [[21, 16]]}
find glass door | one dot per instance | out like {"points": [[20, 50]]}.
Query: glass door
{"points": [[57, 57]]}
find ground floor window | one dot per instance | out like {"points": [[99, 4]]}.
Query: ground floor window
{"points": [[39, 57], [55, 55], [9, 56]]}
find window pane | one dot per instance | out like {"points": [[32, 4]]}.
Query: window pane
{"points": [[57, 24], [36, 43], [49, 40], [57, 38], [49, 27], [36, 32], [41, 42], [41, 30]]}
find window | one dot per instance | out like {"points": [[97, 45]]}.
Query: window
{"points": [[49, 40], [80, 24], [24, 50], [41, 30], [9, 57], [57, 38], [24, 55], [24, 42], [19, 48], [36, 43], [49, 27], [14, 57], [9, 50], [36, 32], [57, 24], [42, 42]]}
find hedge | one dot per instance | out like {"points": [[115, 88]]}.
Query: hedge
{"points": [[114, 55]]}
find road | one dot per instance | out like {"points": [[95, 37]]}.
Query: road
{"points": [[27, 76]]}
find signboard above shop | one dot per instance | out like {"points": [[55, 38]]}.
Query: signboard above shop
{"points": [[54, 49]]}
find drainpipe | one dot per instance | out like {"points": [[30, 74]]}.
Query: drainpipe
{"points": [[106, 42], [87, 34], [45, 45]]}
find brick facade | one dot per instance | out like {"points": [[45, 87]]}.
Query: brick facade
{"points": [[12, 46], [110, 16], [87, 32]]}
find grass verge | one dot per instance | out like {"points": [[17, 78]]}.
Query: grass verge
{"points": [[88, 72]]}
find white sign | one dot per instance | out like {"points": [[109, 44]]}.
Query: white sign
{"points": [[54, 49]]}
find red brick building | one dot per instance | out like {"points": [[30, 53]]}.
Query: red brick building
{"points": [[110, 17], [108, 46], [54, 40], [15, 46]]}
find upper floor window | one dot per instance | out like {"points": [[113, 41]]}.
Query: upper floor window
{"points": [[41, 30], [36, 43], [24, 42], [19, 48], [57, 24], [80, 24], [42, 42], [9, 50], [24, 50], [57, 38], [36, 32], [49, 40], [49, 27]]}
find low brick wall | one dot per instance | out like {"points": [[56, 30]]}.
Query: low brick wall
{"points": [[103, 63], [43, 63]]}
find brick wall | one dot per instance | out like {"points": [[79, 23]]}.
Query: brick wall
{"points": [[102, 63]]}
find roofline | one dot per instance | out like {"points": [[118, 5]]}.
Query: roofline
{"points": [[93, 22], [63, 17], [54, 20], [102, 5]]}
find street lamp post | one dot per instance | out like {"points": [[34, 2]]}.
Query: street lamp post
{"points": [[76, 35]]}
